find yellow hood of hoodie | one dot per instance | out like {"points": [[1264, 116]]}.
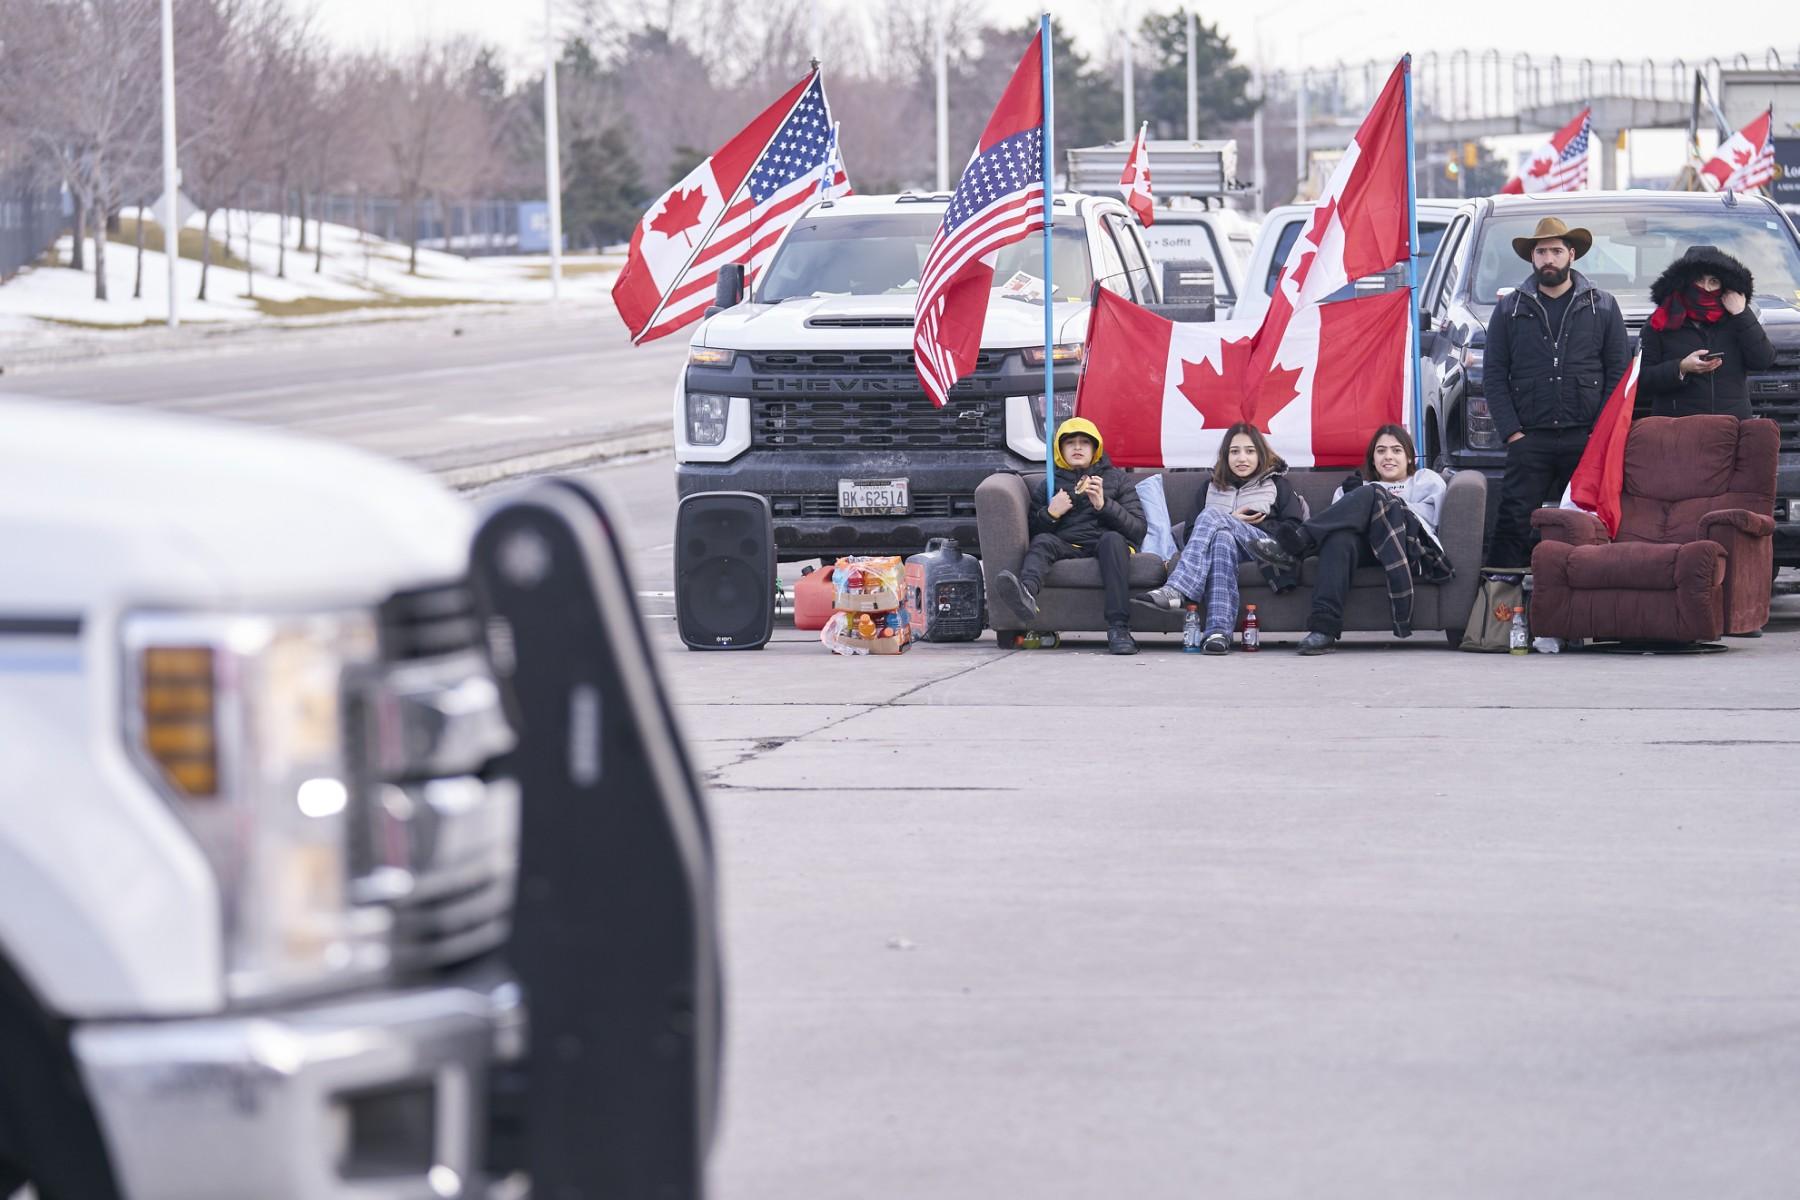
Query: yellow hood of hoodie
{"points": [[1078, 425]]}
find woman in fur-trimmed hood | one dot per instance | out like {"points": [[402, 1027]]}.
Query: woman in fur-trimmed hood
{"points": [[1702, 341]]}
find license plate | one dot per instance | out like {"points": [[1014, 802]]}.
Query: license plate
{"points": [[873, 498]]}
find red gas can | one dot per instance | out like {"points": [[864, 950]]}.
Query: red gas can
{"points": [[813, 597]]}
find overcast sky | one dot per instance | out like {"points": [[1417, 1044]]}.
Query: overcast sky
{"points": [[1284, 32], [1314, 31]]}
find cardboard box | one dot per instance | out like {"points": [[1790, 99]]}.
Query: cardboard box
{"points": [[881, 645], [886, 600]]}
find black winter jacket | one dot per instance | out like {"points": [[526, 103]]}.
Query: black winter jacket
{"points": [[1739, 339], [1536, 377], [1083, 525]]}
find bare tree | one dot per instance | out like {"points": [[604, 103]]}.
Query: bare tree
{"points": [[81, 90], [427, 121], [228, 54]]}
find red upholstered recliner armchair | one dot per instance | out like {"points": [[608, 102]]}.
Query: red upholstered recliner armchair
{"points": [[1694, 557]]}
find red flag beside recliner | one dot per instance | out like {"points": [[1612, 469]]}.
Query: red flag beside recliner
{"points": [[1599, 479]]}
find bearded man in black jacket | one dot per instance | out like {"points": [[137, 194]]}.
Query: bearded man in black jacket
{"points": [[1556, 348]]}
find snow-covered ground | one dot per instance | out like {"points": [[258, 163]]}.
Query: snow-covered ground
{"points": [[359, 275]]}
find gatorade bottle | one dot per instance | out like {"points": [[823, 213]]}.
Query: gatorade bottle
{"points": [[1252, 638], [1518, 641], [1192, 632]]}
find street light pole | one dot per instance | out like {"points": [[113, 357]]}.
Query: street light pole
{"points": [[1130, 78], [943, 99], [171, 178], [1193, 79], [552, 155]]}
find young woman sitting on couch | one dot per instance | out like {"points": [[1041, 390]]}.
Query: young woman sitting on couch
{"points": [[1246, 498], [1340, 535]]}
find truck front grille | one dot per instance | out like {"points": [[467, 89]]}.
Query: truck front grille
{"points": [[1777, 397], [899, 363], [436, 839], [825, 504], [876, 423], [426, 622]]}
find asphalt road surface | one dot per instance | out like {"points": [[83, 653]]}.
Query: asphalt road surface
{"points": [[1393, 922], [451, 391]]}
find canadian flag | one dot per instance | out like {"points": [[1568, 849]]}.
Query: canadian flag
{"points": [[1163, 393], [1558, 165], [1316, 377], [675, 255], [1746, 159], [1598, 484], [1135, 182]]}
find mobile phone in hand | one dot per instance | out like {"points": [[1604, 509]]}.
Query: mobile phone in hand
{"points": [[1710, 356]]}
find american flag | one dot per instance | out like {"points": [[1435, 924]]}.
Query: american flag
{"points": [[999, 200], [1560, 164], [791, 171], [1570, 174]]}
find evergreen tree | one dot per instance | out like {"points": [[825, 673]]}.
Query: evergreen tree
{"points": [[1223, 85], [604, 195]]}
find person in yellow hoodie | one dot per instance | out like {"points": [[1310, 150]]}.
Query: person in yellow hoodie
{"points": [[1094, 513]]}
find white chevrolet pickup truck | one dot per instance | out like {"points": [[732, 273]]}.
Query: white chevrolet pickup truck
{"points": [[804, 391], [258, 833]]}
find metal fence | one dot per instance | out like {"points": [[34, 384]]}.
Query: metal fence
{"points": [[31, 218], [469, 227]]}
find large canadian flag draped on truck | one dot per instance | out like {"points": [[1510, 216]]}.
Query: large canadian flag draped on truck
{"points": [[1316, 377]]}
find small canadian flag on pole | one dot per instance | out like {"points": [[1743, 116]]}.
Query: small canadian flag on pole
{"points": [[1135, 182], [1745, 160]]}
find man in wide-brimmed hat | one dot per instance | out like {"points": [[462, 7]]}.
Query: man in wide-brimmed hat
{"points": [[1556, 347]]}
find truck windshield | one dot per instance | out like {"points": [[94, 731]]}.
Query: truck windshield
{"points": [[879, 254], [1632, 248]]}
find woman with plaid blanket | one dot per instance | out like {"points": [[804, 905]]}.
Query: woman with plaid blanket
{"points": [[1248, 492], [1385, 515]]}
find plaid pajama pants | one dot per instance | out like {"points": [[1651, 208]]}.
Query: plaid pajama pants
{"points": [[1207, 572]]}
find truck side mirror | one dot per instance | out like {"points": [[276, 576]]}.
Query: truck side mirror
{"points": [[614, 936], [730, 290]]}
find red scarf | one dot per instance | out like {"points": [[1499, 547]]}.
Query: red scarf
{"points": [[1691, 303]]}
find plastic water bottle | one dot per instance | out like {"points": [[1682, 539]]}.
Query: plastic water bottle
{"points": [[1252, 638], [1519, 640], [1192, 633]]}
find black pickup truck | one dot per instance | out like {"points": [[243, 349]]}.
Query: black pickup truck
{"points": [[1636, 235]]}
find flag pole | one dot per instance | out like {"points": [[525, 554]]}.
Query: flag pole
{"points": [[1412, 273], [1049, 287]]}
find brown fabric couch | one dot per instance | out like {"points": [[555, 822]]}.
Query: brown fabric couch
{"points": [[1694, 557], [1070, 600]]}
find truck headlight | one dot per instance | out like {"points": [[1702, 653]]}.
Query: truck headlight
{"points": [[706, 418], [1062, 354], [239, 720], [1065, 406]]}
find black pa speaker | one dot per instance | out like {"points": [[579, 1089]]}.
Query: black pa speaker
{"points": [[724, 571]]}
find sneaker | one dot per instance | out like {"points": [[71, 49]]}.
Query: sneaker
{"points": [[1120, 641], [1317, 643], [1216, 643], [1270, 551], [1163, 599], [1292, 538], [1015, 591]]}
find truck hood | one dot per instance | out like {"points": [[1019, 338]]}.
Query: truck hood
{"points": [[872, 322], [104, 508]]}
